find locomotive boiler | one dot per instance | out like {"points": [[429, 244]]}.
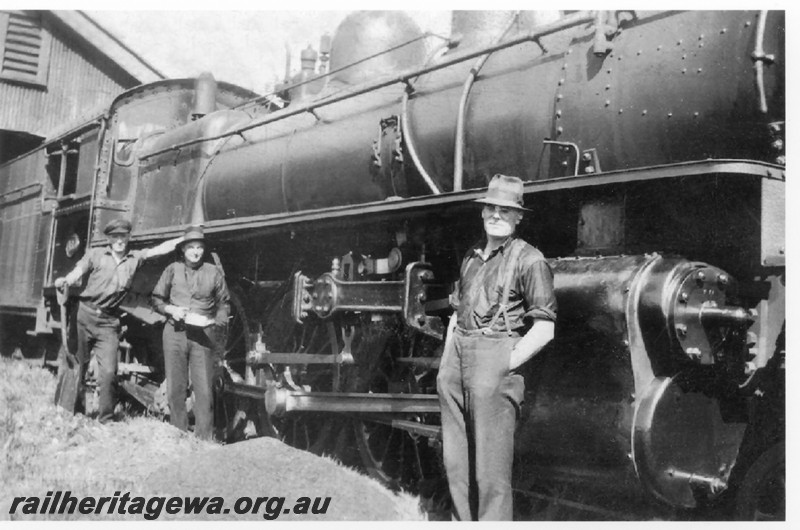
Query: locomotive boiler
{"points": [[651, 146]]}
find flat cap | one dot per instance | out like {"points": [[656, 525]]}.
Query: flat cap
{"points": [[118, 226]]}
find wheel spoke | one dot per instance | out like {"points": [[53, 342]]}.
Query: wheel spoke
{"points": [[418, 458], [387, 446], [320, 437], [391, 455]]}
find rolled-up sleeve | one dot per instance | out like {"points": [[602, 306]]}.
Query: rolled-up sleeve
{"points": [[455, 296], [537, 285], [84, 265]]}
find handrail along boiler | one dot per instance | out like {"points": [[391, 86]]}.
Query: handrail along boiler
{"points": [[651, 144]]}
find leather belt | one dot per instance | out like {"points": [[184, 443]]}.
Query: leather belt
{"points": [[99, 311], [486, 331]]}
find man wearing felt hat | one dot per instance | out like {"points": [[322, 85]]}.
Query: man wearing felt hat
{"points": [[194, 297], [505, 312], [110, 272]]}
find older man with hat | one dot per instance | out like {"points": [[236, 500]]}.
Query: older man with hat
{"points": [[193, 295], [505, 312], [110, 269]]}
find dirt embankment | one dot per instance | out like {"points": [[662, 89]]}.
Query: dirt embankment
{"points": [[45, 449]]}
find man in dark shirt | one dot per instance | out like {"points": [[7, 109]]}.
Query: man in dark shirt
{"points": [[194, 297], [110, 271], [505, 314]]}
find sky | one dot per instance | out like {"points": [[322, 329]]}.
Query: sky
{"points": [[246, 44], [247, 48]]}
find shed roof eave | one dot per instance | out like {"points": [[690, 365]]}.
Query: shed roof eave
{"points": [[109, 45]]}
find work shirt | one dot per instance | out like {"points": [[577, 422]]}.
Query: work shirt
{"points": [[203, 290], [108, 280], [479, 291]]}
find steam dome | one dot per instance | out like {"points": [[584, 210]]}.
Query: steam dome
{"points": [[366, 33]]}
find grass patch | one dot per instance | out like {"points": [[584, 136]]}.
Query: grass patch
{"points": [[43, 448]]}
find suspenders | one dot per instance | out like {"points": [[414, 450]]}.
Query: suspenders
{"points": [[508, 278]]}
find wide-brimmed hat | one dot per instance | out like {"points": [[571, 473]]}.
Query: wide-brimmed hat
{"points": [[118, 226], [504, 191], [192, 233]]}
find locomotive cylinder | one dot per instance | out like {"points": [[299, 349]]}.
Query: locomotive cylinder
{"points": [[605, 395]]}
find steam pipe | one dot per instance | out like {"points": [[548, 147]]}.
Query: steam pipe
{"points": [[575, 19], [759, 57], [412, 150], [458, 156]]}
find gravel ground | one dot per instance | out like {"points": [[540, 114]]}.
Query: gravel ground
{"points": [[43, 448]]}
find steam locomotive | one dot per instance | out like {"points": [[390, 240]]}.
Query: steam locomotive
{"points": [[652, 149]]}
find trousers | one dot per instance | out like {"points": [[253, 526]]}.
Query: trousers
{"points": [[190, 355], [99, 332], [480, 402]]}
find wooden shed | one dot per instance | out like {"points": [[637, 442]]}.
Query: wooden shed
{"points": [[57, 68]]}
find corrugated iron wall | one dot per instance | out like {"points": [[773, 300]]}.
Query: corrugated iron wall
{"points": [[75, 87]]}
